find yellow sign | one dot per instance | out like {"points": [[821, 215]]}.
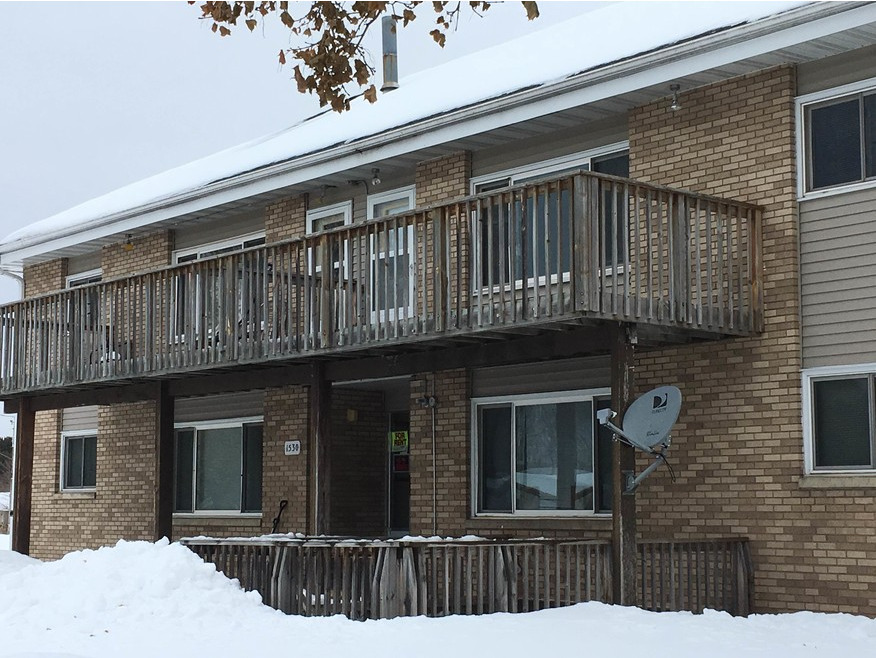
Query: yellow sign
{"points": [[398, 441]]}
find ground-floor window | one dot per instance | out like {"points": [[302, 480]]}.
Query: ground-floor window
{"points": [[218, 467], [840, 418], [541, 454], [79, 460]]}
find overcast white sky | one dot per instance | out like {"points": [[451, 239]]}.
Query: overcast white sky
{"points": [[97, 95]]}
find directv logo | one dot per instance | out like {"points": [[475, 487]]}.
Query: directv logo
{"points": [[660, 402]]}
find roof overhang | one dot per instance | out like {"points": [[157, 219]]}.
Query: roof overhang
{"points": [[804, 34]]}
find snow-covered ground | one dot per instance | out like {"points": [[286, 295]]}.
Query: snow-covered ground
{"points": [[141, 600], [4, 542]]}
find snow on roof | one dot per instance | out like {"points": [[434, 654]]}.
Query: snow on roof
{"points": [[537, 58]]}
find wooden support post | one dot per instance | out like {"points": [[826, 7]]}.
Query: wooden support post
{"points": [[320, 449], [623, 505], [164, 449], [23, 477]]}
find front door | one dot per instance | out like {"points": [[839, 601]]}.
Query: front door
{"points": [[399, 494]]}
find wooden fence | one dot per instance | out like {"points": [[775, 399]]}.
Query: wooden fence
{"points": [[384, 579], [565, 250]]}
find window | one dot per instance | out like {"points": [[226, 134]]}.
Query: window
{"points": [[541, 454], [79, 460], [218, 467], [515, 233], [326, 219], [208, 287], [840, 140], [392, 256], [839, 419]]}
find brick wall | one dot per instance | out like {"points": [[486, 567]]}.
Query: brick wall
{"points": [[358, 463], [149, 251], [287, 418], [121, 505], [452, 391], [45, 277], [285, 219], [738, 449]]}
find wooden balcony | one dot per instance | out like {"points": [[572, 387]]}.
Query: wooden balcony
{"points": [[581, 249], [380, 579]]}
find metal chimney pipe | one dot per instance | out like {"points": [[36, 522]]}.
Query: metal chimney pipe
{"points": [[390, 54]]}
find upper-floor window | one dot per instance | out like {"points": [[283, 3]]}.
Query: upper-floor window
{"points": [[392, 256], [839, 135], [839, 418], [201, 296], [512, 235]]}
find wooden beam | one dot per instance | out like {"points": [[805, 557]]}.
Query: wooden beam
{"points": [[163, 494], [23, 477], [556, 345], [240, 380], [319, 449], [623, 505], [104, 395]]}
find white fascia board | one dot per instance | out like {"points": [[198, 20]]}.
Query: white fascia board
{"points": [[662, 66]]}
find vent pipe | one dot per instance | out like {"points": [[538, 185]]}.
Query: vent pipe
{"points": [[390, 54]]}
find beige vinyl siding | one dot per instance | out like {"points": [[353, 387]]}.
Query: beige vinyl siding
{"points": [[838, 279], [194, 235], [528, 151], [542, 377], [76, 419], [218, 407], [838, 70]]}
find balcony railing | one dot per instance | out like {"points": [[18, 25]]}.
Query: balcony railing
{"points": [[565, 250], [378, 579]]}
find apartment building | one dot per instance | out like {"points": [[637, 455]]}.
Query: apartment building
{"points": [[403, 320]]}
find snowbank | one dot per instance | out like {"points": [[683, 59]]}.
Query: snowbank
{"points": [[141, 600]]}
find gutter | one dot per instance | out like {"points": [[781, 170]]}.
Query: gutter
{"points": [[831, 17]]}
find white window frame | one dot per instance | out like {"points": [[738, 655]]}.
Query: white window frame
{"points": [[809, 376], [583, 395], [541, 169], [83, 278], [407, 192], [344, 208], [62, 475], [224, 423], [802, 103], [213, 246], [176, 333]]}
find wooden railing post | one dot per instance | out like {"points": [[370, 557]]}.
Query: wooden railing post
{"points": [[755, 264]]}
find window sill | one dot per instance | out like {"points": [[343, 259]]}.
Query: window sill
{"points": [[839, 481], [539, 523], [839, 189], [218, 516], [89, 494]]}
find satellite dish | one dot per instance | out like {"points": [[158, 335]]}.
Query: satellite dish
{"points": [[647, 424], [650, 418]]}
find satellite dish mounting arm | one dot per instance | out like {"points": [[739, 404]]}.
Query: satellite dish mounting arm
{"points": [[653, 438]]}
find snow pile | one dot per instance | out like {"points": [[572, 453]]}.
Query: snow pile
{"points": [[141, 600], [541, 57]]}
